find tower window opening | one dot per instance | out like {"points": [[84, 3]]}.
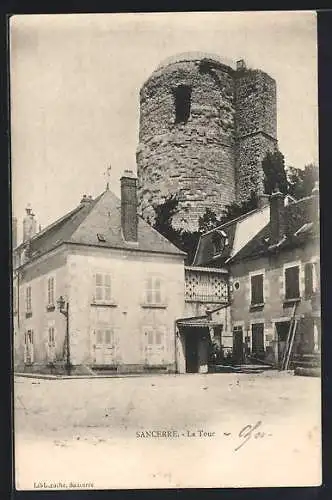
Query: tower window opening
{"points": [[182, 96]]}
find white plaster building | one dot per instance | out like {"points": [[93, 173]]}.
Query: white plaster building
{"points": [[123, 284]]}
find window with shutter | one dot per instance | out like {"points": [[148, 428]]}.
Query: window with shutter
{"points": [[51, 334], [103, 287], [107, 287], [50, 291], [150, 337], [28, 299], [99, 336], [158, 338], [292, 282], [257, 295], [108, 337], [308, 279], [30, 336], [153, 290]]}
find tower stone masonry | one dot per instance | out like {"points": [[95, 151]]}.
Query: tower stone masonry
{"points": [[204, 130]]}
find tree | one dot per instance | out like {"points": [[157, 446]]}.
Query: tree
{"points": [[185, 240], [208, 221], [274, 172], [234, 210], [164, 214], [301, 182]]}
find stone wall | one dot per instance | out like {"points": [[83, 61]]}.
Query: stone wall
{"points": [[256, 128], [250, 152], [213, 158], [194, 159]]}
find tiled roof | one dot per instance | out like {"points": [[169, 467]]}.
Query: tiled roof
{"points": [[101, 216], [301, 223], [205, 249]]}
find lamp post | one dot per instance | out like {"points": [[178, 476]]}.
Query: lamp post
{"points": [[63, 306]]}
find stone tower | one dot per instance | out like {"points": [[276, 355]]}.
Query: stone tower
{"points": [[204, 129]]}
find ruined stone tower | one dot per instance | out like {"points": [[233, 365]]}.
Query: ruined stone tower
{"points": [[204, 130]]}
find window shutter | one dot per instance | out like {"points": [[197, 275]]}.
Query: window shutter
{"points": [[107, 287], [308, 279], [98, 286], [257, 289], [292, 282], [157, 290]]}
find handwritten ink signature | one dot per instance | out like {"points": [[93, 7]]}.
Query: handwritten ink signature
{"points": [[250, 431]]}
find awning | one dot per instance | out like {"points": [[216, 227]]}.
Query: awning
{"points": [[196, 322]]}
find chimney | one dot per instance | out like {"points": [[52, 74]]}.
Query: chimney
{"points": [[263, 200], [14, 232], [86, 200], [277, 216], [129, 218], [240, 65], [29, 224]]}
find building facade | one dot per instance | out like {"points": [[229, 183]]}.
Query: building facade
{"points": [[204, 130], [274, 277], [121, 283]]}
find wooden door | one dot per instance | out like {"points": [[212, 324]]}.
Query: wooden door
{"points": [[51, 345], [154, 346], [282, 332], [105, 348], [28, 347], [257, 331], [191, 351], [238, 347]]}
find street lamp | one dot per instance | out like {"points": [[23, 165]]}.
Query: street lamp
{"points": [[63, 306]]}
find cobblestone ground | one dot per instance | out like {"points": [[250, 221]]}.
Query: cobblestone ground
{"points": [[73, 432]]}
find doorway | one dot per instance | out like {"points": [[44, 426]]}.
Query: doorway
{"points": [[191, 351], [282, 332], [238, 348], [257, 332], [28, 347], [105, 348]]}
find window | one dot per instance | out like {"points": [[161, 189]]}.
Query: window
{"points": [[102, 287], [158, 338], [154, 337], [28, 302], [28, 338], [182, 97], [219, 241], [311, 278], [28, 347], [108, 336], [50, 291], [292, 282], [308, 279], [257, 293], [105, 336], [51, 335], [153, 293]]}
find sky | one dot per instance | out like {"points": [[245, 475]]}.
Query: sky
{"points": [[75, 81]]}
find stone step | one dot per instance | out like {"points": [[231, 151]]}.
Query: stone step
{"points": [[307, 372], [306, 363]]}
